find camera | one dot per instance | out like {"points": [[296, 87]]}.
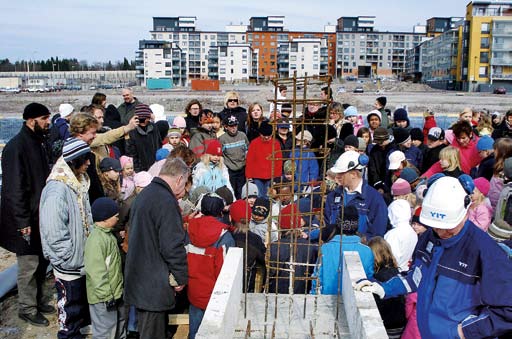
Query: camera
{"points": [[142, 120], [111, 305]]}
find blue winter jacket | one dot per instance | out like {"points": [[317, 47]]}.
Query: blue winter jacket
{"points": [[414, 155], [331, 268], [306, 166], [373, 212], [464, 279]]}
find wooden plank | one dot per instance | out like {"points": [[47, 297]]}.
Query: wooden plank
{"points": [[181, 333], [178, 319]]}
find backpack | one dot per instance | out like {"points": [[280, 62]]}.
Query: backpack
{"points": [[501, 227]]}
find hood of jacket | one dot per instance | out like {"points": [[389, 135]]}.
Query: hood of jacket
{"points": [[63, 173], [149, 128], [399, 213], [205, 231]]}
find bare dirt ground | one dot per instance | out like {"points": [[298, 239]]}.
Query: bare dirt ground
{"points": [[416, 97]]}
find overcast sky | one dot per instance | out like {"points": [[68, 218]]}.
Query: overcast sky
{"points": [[102, 30]]}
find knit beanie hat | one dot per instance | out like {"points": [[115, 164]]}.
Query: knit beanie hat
{"points": [[409, 175], [212, 205], [213, 147], [74, 148], [179, 122], [142, 179], [174, 132], [400, 114], [65, 110], [249, 190], [350, 111], [349, 222], [400, 187], [261, 207], [289, 218], [485, 143], [483, 185], [380, 135], [382, 100], [35, 110], [417, 134], [374, 112], [401, 135], [103, 209], [125, 160], [143, 111], [161, 154], [265, 129], [239, 210], [351, 140], [225, 193]]}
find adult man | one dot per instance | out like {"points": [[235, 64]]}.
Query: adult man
{"points": [[157, 255], [127, 108], [461, 275], [25, 168], [353, 190], [66, 221]]}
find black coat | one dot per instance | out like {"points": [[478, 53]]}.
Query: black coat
{"points": [[24, 169], [142, 146], [430, 157], [502, 131], [378, 165], [392, 310], [255, 256], [239, 112], [157, 248]]}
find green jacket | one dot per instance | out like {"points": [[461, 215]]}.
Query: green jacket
{"points": [[104, 275]]}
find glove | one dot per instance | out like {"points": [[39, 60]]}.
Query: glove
{"points": [[375, 288], [360, 284]]}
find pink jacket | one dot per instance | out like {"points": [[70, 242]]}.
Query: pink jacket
{"points": [[481, 215], [411, 329], [495, 190]]}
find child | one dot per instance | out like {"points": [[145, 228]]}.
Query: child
{"points": [[305, 162], [397, 162], [401, 189], [209, 241], [401, 238], [180, 123], [127, 184], [304, 253], [104, 275], [480, 211], [174, 136], [403, 139], [392, 310], [352, 117], [109, 177], [486, 152], [449, 158], [502, 224], [217, 125], [249, 193], [211, 171], [259, 223], [329, 271], [364, 132]]}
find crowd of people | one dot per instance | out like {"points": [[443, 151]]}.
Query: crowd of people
{"points": [[135, 215]]}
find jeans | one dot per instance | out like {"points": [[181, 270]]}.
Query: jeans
{"points": [[263, 185], [132, 319], [73, 307], [31, 282], [195, 316]]}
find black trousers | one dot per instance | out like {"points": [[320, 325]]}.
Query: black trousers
{"points": [[237, 180], [151, 325]]}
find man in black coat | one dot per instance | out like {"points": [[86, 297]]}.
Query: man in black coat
{"points": [[156, 263], [25, 169]]}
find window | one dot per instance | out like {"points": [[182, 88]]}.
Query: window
{"points": [[484, 43], [302, 66], [244, 62], [244, 70], [315, 66], [482, 71], [485, 28], [222, 70], [484, 57], [293, 58]]}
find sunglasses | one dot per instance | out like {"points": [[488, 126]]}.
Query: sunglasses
{"points": [[232, 100]]}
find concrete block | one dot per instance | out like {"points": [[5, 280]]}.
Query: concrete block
{"points": [[222, 312], [362, 314]]}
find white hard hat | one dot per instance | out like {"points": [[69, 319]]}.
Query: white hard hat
{"points": [[445, 204], [395, 159], [304, 135], [65, 110], [348, 161]]}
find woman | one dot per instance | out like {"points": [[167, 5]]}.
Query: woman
{"points": [[231, 107], [192, 111], [502, 151]]}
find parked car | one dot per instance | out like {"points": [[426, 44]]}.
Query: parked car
{"points": [[340, 89], [500, 90], [358, 89]]}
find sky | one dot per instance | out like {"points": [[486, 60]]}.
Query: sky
{"points": [[103, 30]]}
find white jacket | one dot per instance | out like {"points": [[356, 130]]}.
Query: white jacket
{"points": [[402, 238]]}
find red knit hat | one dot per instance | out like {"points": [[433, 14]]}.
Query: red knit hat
{"points": [[213, 147], [400, 187], [483, 185], [239, 210], [285, 217]]}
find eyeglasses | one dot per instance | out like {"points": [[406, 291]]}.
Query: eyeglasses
{"points": [[232, 100]]}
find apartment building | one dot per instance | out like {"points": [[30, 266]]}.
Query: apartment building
{"points": [[306, 56]]}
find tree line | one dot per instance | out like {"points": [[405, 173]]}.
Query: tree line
{"points": [[56, 64]]}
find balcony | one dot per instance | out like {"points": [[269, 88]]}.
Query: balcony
{"points": [[283, 69], [501, 76], [501, 47], [139, 67], [506, 61], [507, 31]]}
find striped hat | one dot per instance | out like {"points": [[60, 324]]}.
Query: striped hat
{"points": [[143, 111], [73, 148]]}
